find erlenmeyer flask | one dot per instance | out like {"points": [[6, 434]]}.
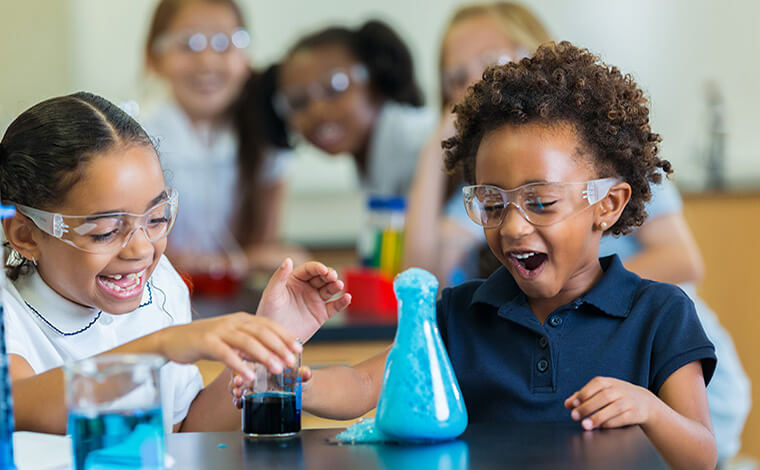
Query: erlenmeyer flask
{"points": [[420, 399]]}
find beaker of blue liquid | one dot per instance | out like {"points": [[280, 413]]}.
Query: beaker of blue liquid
{"points": [[420, 399], [114, 411], [272, 402]]}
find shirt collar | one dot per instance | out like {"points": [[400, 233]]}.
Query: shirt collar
{"points": [[59, 313], [613, 294], [615, 291]]}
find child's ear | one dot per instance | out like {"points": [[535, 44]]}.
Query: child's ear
{"points": [[611, 207], [20, 234]]}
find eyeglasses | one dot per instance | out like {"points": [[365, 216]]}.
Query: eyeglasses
{"points": [[194, 41], [459, 76], [108, 232], [540, 204], [297, 99]]}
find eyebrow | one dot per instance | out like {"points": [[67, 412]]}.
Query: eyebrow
{"points": [[103, 214]]}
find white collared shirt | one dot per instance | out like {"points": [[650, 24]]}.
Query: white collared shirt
{"points": [[395, 145], [202, 165], [48, 330]]}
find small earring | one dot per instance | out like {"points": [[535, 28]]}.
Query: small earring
{"points": [[603, 225], [34, 261]]}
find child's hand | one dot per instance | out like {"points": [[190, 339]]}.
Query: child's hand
{"points": [[610, 403], [237, 385], [298, 298], [231, 339]]}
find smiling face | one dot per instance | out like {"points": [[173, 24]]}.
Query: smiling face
{"points": [[123, 179], [335, 124], [554, 263], [203, 83]]}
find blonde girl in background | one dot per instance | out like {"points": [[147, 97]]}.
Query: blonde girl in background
{"points": [[477, 36]]}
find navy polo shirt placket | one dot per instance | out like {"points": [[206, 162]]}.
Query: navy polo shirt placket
{"points": [[545, 354]]}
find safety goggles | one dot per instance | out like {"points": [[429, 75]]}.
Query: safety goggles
{"points": [[196, 42], [107, 232], [539, 203], [296, 99], [460, 76]]}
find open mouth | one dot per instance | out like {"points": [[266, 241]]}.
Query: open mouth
{"points": [[123, 286], [328, 135], [528, 263]]}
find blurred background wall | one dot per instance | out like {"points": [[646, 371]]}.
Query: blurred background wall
{"points": [[673, 49]]}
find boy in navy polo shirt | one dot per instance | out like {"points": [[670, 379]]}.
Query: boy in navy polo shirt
{"points": [[560, 152]]}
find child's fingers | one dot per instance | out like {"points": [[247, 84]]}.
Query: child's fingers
{"points": [[305, 373], [603, 417], [338, 305], [222, 352], [280, 276], [590, 406], [329, 290], [587, 391], [572, 401], [253, 350], [312, 269], [256, 324], [625, 418], [323, 279], [273, 342]]}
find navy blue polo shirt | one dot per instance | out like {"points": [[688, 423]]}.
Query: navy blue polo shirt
{"points": [[510, 367]]}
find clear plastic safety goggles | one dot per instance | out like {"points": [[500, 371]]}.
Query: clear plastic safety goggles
{"points": [[108, 232], [297, 99], [539, 203], [458, 77], [196, 41]]}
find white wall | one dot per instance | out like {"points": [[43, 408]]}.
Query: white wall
{"points": [[671, 47]]}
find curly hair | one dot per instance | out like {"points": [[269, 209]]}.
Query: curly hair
{"points": [[562, 83]]}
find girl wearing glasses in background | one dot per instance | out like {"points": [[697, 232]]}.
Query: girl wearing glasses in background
{"points": [[477, 36], [88, 276], [558, 152], [212, 140], [353, 91]]}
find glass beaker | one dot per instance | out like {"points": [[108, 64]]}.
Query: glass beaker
{"points": [[114, 405], [272, 402]]}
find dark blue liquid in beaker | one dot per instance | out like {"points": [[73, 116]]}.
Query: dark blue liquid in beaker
{"points": [[271, 414]]}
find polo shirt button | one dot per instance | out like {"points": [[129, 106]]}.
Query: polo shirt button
{"points": [[555, 321], [543, 342], [542, 365], [107, 320]]}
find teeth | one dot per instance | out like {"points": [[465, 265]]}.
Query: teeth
{"points": [[523, 255], [136, 279]]}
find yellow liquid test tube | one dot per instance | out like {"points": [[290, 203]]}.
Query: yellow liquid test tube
{"points": [[390, 249]]}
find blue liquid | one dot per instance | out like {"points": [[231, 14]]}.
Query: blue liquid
{"points": [[133, 439], [271, 414], [6, 399], [420, 399]]}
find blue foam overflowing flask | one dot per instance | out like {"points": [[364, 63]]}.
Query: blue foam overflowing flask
{"points": [[420, 399], [6, 399]]}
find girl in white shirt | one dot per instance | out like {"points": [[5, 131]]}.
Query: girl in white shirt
{"points": [[212, 142], [88, 274]]}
